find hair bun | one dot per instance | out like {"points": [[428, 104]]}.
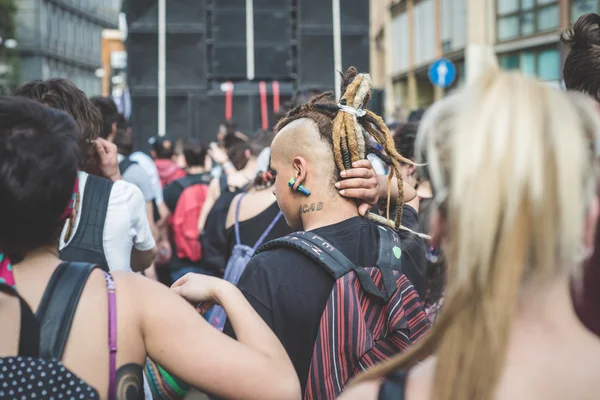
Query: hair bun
{"points": [[585, 33]]}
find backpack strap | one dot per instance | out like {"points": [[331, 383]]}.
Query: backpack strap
{"points": [[389, 253], [333, 261], [223, 183], [389, 257], [236, 228], [29, 337], [262, 237], [125, 164], [58, 305], [88, 241]]}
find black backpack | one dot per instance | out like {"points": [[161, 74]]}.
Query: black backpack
{"points": [[37, 372], [372, 314], [125, 164], [88, 241]]}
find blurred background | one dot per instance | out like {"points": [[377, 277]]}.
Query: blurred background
{"points": [[180, 67]]}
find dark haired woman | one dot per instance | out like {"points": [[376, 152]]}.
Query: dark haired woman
{"points": [[38, 176]]}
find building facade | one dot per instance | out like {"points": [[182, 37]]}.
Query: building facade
{"points": [[63, 39], [520, 34]]}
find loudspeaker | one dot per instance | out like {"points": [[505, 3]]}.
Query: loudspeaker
{"points": [[186, 67], [272, 40], [315, 41], [227, 27]]}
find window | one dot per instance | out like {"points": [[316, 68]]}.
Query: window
{"points": [[518, 18], [541, 63], [580, 7]]}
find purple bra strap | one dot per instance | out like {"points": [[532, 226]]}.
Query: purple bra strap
{"points": [[112, 336]]}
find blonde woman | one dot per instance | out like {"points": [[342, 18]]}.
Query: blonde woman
{"points": [[508, 329]]}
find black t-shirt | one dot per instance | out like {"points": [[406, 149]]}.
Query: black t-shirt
{"points": [[214, 238], [290, 291], [252, 229], [172, 192]]}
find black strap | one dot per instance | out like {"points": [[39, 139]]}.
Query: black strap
{"points": [[29, 337], [58, 306], [192, 180], [125, 164], [223, 183], [334, 262], [88, 242], [394, 388]]}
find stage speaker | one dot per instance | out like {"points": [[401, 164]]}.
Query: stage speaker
{"points": [[315, 41]]}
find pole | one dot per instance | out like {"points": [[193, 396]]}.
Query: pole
{"points": [[337, 47], [162, 67], [250, 39]]}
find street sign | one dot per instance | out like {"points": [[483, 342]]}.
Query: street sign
{"points": [[442, 73]]}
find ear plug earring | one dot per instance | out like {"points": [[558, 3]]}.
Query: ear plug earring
{"points": [[300, 189]]}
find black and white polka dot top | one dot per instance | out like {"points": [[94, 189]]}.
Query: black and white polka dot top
{"points": [[27, 376]]}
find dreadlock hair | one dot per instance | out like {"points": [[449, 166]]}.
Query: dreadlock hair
{"points": [[346, 132], [523, 229]]}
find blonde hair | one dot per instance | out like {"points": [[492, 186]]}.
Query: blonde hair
{"points": [[509, 155]]}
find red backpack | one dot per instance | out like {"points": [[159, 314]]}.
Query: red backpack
{"points": [[185, 220], [372, 314]]}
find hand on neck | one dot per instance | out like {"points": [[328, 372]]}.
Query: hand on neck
{"points": [[318, 210]]}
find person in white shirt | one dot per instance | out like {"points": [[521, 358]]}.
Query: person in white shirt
{"points": [[126, 241]]}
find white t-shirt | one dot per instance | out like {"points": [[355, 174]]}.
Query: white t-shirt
{"points": [[126, 224], [147, 163]]}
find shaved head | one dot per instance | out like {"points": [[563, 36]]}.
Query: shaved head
{"points": [[301, 138]]}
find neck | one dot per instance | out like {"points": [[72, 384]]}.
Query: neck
{"points": [[317, 210], [546, 311], [43, 255], [250, 167], [424, 190], [196, 170]]}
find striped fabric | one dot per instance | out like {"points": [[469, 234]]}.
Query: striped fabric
{"points": [[164, 386], [358, 331]]}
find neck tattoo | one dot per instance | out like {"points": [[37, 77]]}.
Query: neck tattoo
{"points": [[313, 207]]}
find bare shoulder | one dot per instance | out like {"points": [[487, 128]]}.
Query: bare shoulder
{"points": [[362, 391]]}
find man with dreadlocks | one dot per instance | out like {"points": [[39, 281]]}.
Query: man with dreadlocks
{"points": [[316, 143]]}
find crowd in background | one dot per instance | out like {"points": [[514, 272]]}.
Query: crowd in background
{"points": [[453, 256]]}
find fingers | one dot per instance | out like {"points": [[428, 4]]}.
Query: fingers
{"points": [[362, 164], [363, 209], [357, 173], [181, 281], [356, 183], [360, 194], [99, 148]]}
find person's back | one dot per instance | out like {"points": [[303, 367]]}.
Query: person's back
{"points": [[290, 288], [507, 329], [115, 232], [185, 198], [144, 319]]}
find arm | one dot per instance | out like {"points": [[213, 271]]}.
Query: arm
{"points": [[143, 251], [255, 367], [362, 391], [214, 192], [140, 260]]}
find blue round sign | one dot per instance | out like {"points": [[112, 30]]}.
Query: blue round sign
{"points": [[442, 73]]}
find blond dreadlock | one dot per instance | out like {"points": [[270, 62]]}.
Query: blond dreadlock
{"points": [[348, 133]]}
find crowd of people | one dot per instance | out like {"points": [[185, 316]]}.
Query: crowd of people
{"points": [[453, 256]]}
